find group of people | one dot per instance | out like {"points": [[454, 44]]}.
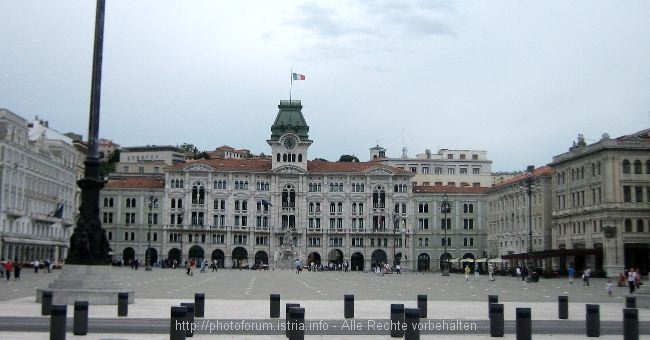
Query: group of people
{"points": [[477, 272], [14, 266], [10, 266], [203, 265]]}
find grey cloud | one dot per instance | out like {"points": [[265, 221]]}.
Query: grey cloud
{"points": [[382, 26]]}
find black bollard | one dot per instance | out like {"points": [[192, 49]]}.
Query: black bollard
{"points": [[563, 307], [630, 301], [496, 320], [178, 323], [422, 305], [275, 306], [199, 305], [57, 322], [189, 331], [412, 320], [523, 324], [593, 320], [80, 322], [287, 307], [122, 304], [630, 324], [297, 323], [348, 303], [46, 302], [396, 320], [492, 299]]}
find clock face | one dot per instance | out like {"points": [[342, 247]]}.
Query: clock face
{"points": [[289, 142]]}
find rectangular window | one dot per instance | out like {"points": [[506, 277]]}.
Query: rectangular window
{"points": [[627, 193], [425, 169], [638, 194]]}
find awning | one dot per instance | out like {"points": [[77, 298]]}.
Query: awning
{"points": [[467, 260], [496, 260], [555, 253], [481, 260]]}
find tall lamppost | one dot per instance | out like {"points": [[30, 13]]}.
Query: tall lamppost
{"points": [[395, 229], [445, 208], [527, 187], [182, 210], [147, 254]]}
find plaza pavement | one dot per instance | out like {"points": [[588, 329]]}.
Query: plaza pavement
{"points": [[235, 294]]}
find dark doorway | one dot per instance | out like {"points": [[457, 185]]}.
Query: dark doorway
{"points": [[356, 262]]}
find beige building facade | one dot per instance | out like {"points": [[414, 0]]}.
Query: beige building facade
{"points": [[510, 211], [455, 168], [601, 198]]}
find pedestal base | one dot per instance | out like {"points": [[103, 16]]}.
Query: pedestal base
{"points": [[85, 283]]}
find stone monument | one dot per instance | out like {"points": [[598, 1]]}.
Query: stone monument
{"points": [[86, 273]]}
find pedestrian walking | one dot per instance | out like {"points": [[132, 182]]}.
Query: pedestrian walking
{"points": [[9, 267], [585, 277], [477, 272], [491, 271], [572, 274], [36, 265], [467, 270], [17, 268], [631, 279], [609, 287]]}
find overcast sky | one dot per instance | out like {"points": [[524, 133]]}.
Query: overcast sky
{"points": [[519, 79]]}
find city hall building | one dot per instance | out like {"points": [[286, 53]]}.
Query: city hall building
{"points": [[273, 210]]}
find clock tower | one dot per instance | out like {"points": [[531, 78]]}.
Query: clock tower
{"points": [[289, 137]]}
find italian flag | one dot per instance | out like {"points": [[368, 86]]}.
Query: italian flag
{"points": [[298, 76]]}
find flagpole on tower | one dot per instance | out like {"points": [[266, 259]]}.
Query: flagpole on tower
{"points": [[291, 86]]}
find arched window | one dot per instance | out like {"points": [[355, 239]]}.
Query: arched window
{"points": [[311, 207], [284, 157], [403, 208], [215, 204], [339, 207], [379, 197], [332, 208], [278, 157], [639, 226], [293, 157], [628, 225], [354, 208], [173, 203], [626, 166], [299, 157], [237, 205], [180, 203]]}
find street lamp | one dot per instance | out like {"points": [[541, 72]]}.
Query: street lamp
{"points": [[445, 208], [147, 254], [528, 188], [395, 229], [180, 259]]}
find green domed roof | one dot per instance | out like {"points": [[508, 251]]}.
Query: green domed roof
{"points": [[290, 119]]}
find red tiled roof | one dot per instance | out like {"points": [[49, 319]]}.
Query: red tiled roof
{"points": [[320, 166], [136, 183], [439, 189], [543, 170], [231, 164], [264, 165]]}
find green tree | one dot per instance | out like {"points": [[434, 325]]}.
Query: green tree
{"points": [[348, 158], [108, 166]]}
